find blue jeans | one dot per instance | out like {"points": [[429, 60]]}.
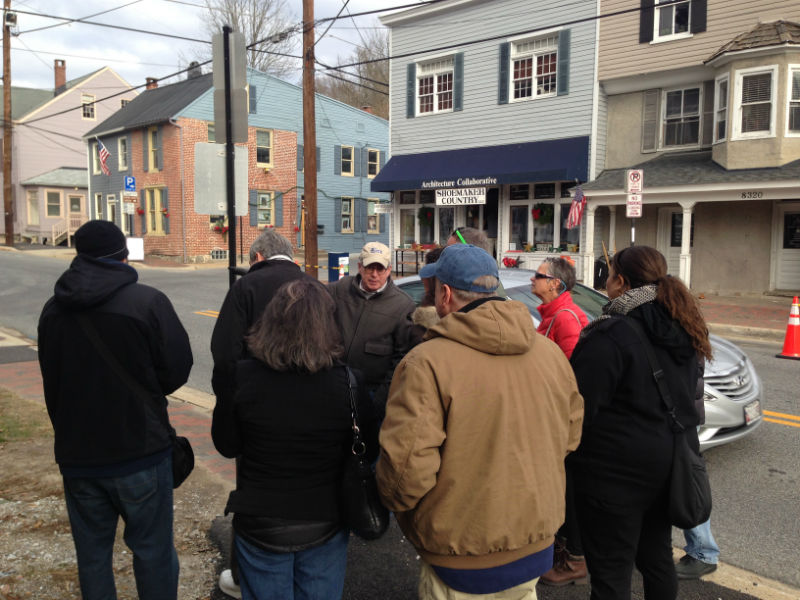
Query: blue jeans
{"points": [[144, 501], [700, 544], [314, 574]]}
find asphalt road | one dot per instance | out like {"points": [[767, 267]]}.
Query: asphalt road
{"points": [[756, 517]]}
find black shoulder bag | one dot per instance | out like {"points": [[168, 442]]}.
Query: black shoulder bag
{"points": [[689, 487], [182, 453], [362, 511]]}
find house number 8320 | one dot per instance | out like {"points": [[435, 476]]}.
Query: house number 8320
{"points": [[752, 195]]}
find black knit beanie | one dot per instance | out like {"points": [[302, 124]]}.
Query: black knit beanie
{"points": [[101, 239]]}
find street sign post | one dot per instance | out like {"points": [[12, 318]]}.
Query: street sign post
{"points": [[634, 185], [130, 183], [633, 206], [634, 181]]}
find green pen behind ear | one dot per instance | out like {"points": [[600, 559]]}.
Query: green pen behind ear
{"points": [[461, 237]]}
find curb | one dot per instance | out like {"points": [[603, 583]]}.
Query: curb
{"points": [[743, 332]]}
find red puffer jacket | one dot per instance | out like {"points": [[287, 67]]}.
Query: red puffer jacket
{"points": [[562, 321]]}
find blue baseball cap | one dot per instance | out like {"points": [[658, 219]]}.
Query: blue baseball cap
{"points": [[460, 265]]}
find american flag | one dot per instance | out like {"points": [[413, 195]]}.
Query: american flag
{"points": [[576, 209], [103, 157]]}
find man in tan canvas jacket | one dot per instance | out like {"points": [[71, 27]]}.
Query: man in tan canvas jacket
{"points": [[479, 420]]}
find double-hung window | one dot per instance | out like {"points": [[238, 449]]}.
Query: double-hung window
{"points": [[263, 147], [672, 19], [793, 119], [95, 159], [681, 117], [755, 102], [122, 153], [373, 162], [53, 200], [87, 106], [347, 161], [347, 215], [265, 209], [534, 66], [435, 86], [152, 149], [154, 210], [720, 108], [373, 218]]}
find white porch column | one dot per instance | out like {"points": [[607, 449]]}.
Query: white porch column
{"points": [[612, 228], [685, 265], [588, 253]]}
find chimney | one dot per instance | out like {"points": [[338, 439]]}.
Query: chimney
{"points": [[367, 109], [194, 70], [60, 69], [152, 83]]}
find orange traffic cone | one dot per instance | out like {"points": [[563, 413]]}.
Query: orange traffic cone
{"points": [[791, 343]]}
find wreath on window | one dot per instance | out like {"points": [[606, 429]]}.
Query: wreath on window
{"points": [[425, 216], [542, 212]]}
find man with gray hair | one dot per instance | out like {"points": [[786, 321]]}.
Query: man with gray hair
{"points": [[479, 420]]}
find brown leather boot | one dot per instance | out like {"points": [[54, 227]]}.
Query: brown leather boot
{"points": [[570, 570]]}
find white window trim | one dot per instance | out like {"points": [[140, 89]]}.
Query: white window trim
{"points": [[152, 151], [271, 222], [271, 146], [717, 83], [352, 171], [534, 54], [442, 71], [153, 197], [93, 104], [377, 229], [60, 214], [352, 214], [790, 68], [663, 116], [95, 159], [377, 163], [98, 205], [736, 133], [120, 166], [660, 39]]}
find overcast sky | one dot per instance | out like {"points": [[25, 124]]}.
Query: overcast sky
{"points": [[135, 56]]}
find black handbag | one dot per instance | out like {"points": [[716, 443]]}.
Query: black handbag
{"points": [[689, 487], [362, 511], [182, 453]]}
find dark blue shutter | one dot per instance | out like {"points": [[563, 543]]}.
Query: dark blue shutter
{"points": [[646, 16], [165, 207], [252, 206], [278, 209], [698, 16], [337, 215], [319, 160], [502, 83], [358, 155], [365, 162], [252, 95], [143, 205], [300, 157], [337, 160], [411, 90], [382, 221], [361, 215], [562, 78], [383, 159], [458, 82], [159, 145], [146, 164]]}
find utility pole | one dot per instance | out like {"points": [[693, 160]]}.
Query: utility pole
{"points": [[8, 204], [309, 140]]}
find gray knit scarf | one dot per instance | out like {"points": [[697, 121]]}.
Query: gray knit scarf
{"points": [[622, 305]]}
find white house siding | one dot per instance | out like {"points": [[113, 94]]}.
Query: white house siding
{"points": [[43, 145], [484, 122]]}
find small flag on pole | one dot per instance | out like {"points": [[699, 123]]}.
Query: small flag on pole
{"points": [[576, 209], [103, 152]]}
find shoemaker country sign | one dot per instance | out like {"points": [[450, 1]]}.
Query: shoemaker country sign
{"points": [[461, 196]]}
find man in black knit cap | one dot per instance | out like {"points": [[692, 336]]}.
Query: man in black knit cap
{"points": [[110, 350]]}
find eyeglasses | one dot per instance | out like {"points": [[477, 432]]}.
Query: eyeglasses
{"points": [[538, 275]]}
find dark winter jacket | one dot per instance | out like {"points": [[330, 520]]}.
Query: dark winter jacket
{"points": [[626, 448], [377, 331], [100, 422], [291, 432], [243, 306]]}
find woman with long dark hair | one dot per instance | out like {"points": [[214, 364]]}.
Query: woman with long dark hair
{"points": [[290, 426], [621, 468]]}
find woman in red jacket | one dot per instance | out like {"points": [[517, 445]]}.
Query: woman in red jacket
{"points": [[562, 319]]}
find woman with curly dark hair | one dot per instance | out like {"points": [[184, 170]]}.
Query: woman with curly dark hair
{"points": [[290, 427], [622, 466]]}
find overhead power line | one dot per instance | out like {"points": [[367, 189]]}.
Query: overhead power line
{"points": [[68, 21]]}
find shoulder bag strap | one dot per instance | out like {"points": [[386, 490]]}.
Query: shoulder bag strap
{"points": [[358, 446], [658, 373], [570, 311]]}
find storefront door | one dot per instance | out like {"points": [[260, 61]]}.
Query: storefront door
{"points": [[787, 272]]}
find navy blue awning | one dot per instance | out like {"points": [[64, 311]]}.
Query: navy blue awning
{"points": [[550, 160]]}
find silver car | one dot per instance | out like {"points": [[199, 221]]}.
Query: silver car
{"points": [[732, 386]]}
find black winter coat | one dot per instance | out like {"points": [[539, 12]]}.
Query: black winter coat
{"points": [[99, 421], [625, 452], [243, 306]]}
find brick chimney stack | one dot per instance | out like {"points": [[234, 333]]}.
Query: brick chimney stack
{"points": [[152, 83], [60, 69]]}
